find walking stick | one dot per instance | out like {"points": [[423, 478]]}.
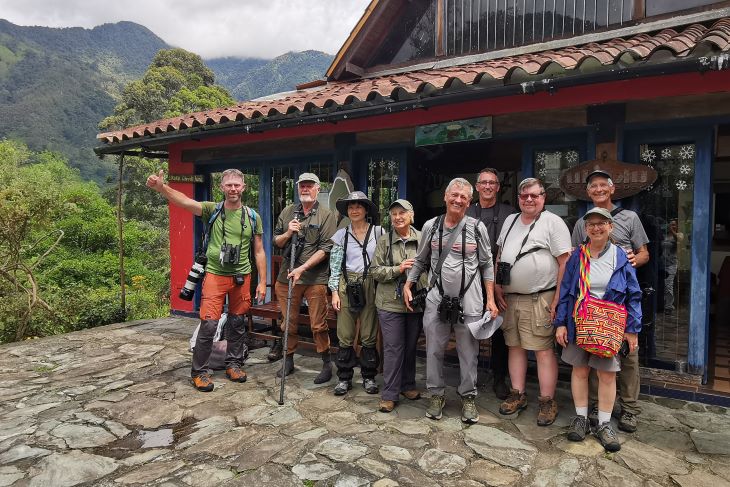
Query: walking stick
{"points": [[292, 260]]}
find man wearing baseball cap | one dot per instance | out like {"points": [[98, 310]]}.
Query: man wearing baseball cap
{"points": [[628, 233], [314, 226]]}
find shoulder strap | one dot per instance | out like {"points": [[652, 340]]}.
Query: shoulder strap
{"points": [[444, 250], [206, 232], [616, 210]]}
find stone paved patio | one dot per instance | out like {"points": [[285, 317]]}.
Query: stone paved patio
{"points": [[113, 406]]}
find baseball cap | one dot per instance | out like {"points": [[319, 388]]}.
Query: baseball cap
{"points": [[599, 211], [308, 176], [401, 202], [598, 172]]}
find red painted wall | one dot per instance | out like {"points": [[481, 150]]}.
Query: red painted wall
{"points": [[181, 234], [181, 222]]}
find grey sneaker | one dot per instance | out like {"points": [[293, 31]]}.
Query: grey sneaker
{"points": [[435, 407], [607, 436], [627, 422], [469, 412], [579, 428], [370, 386], [342, 387]]}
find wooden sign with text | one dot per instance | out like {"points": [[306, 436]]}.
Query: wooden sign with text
{"points": [[628, 179], [185, 178]]}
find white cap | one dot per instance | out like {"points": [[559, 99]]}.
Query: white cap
{"points": [[486, 326]]}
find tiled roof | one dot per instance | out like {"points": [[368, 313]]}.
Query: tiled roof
{"points": [[693, 40]]}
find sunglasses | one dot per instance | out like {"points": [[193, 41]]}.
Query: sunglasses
{"points": [[528, 196]]}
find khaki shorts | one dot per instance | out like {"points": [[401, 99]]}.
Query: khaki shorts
{"points": [[527, 323]]}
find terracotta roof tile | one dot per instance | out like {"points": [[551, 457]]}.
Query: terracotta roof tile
{"points": [[678, 43]]}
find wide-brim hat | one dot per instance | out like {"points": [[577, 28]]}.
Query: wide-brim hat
{"points": [[486, 326], [356, 197]]}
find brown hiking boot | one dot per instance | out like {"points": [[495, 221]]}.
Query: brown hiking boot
{"points": [[515, 402], [235, 374], [203, 383], [386, 406], [412, 394], [548, 411]]}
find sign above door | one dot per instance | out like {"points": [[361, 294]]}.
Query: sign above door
{"points": [[628, 179]]}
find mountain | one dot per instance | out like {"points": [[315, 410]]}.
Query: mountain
{"points": [[250, 78], [57, 84]]}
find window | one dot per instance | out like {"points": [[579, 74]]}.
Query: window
{"points": [[548, 164]]}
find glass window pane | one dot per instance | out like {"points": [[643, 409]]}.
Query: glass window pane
{"points": [[383, 186], [666, 212], [548, 165]]}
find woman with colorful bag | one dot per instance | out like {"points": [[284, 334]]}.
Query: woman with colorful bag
{"points": [[599, 310]]}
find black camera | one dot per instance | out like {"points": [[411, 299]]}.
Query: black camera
{"points": [[197, 271], [450, 310], [355, 295], [503, 273], [418, 298], [230, 254], [239, 279]]}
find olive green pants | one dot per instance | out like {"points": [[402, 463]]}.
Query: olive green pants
{"points": [[347, 318]]}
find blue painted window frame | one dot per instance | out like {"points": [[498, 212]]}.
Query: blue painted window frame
{"points": [[702, 136]]}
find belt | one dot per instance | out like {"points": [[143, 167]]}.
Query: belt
{"points": [[535, 293]]}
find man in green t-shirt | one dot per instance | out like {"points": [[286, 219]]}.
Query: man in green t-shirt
{"points": [[228, 271]]}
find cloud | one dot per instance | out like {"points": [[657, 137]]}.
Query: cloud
{"points": [[211, 28]]}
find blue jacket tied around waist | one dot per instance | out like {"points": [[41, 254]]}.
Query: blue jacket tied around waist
{"points": [[623, 288]]}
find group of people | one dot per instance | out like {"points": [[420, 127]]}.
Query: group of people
{"points": [[465, 271]]}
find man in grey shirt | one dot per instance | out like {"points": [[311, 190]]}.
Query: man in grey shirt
{"points": [[493, 214], [628, 233], [465, 242]]}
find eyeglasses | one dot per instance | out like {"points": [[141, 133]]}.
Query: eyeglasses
{"points": [[528, 196], [597, 224], [488, 183]]}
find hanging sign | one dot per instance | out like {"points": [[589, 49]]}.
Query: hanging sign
{"points": [[628, 179], [455, 131], [186, 178]]}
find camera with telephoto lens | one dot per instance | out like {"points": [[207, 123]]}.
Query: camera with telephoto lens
{"points": [[503, 273], [450, 310], [197, 271], [230, 254], [418, 298]]}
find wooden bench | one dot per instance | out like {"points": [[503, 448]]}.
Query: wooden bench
{"points": [[273, 312]]}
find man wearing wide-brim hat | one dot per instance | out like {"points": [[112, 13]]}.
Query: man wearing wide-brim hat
{"points": [[629, 234], [353, 291], [314, 226]]}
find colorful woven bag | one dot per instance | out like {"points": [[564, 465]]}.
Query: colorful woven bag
{"points": [[599, 324]]}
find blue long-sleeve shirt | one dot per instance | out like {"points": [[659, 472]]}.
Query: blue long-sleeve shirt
{"points": [[623, 288]]}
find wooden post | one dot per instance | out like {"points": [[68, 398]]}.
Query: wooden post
{"points": [[440, 51], [120, 233], [639, 10]]}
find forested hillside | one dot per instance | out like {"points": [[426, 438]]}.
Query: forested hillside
{"points": [[57, 84]]}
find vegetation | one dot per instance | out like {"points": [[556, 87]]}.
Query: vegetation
{"points": [[58, 251]]}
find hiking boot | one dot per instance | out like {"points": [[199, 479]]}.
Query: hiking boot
{"points": [[516, 401], [276, 351], [288, 366], [203, 383], [607, 436], [500, 388], [235, 374], [342, 387], [370, 386], [436, 407], [325, 375], [579, 428], [547, 412], [412, 394], [469, 412], [593, 417], [386, 406], [627, 422]]}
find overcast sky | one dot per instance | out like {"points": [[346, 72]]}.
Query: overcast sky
{"points": [[211, 28]]}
